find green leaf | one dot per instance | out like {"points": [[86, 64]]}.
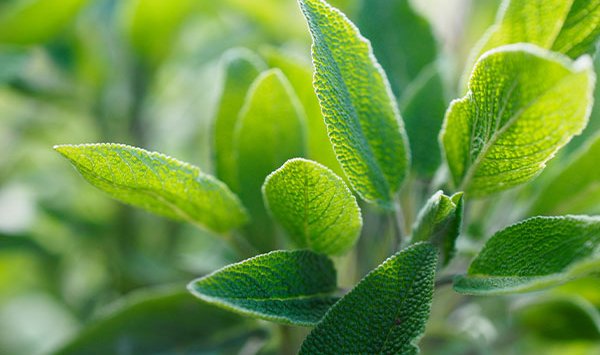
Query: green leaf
{"points": [[314, 206], [157, 183], [559, 318], [290, 287], [523, 105], [402, 40], [270, 130], [300, 76], [533, 254], [423, 106], [576, 189], [241, 68], [566, 26], [385, 313], [439, 221], [162, 321], [360, 112]]}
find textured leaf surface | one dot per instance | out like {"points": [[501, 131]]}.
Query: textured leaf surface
{"points": [[270, 131], [385, 313], [167, 321], [360, 112], [423, 106], [241, 68], [402, 40], [523, 105], [566, 26], [300, 76], [577, 188], [157, 183], [314, 206], [290, 287], [536, 253], [439, 222]]}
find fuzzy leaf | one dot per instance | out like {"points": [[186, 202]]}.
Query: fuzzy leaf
{"points": [[241, 68], [314, 206], [533, 254], [290, 287], [161, 321], [570, 27], [157, 183], [360, 112], [576, 189], [385, 313], [523, 105], [270, 131], [439, 221]]}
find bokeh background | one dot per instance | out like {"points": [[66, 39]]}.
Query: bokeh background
{"points": [[148, 73]]}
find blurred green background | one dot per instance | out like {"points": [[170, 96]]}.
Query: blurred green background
{"points": [[148, 73]]}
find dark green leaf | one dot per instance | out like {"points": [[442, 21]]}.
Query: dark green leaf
{"points": [[385, 313], [157, 183], [536, 253], [290, 287], [360, 111], [314, 206]]}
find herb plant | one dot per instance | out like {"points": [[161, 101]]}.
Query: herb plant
{"points": [[313, 188]]}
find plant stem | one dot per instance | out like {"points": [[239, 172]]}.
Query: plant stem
{"points": [[397, 217]]}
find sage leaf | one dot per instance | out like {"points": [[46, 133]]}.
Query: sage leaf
{"points": [[439, 222], [314, 206], [533, 254], [161, 321], [523, 105], [576, 189], [402, 40], [385, 313], [241, 67], [359, 109], [157, 183], [570, 27], [290, 287], [270, 130]]}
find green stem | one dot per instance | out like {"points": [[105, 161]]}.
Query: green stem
{"points": [[397, 217]]}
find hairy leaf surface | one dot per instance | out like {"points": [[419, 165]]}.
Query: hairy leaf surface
{"points": [[536, 253], [270, 131], [385, 313], [362, 118], [161, 321], [314, 206], [566, 26], [290, 287], [241, 68], [577, 188], [439, 222], [523, 105], [157, 183]]}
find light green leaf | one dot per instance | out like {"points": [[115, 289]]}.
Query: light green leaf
{"points": [[300, 76], [570, 27], [162, 321], [290, 287], [559, 318], [314, 206], [157, 183], [402, 40], [385, 313], [439, 222], [423, 106], [533, 254], [523, 105], [360, 111], [241, 68], [576, 189], [270, 130]]}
